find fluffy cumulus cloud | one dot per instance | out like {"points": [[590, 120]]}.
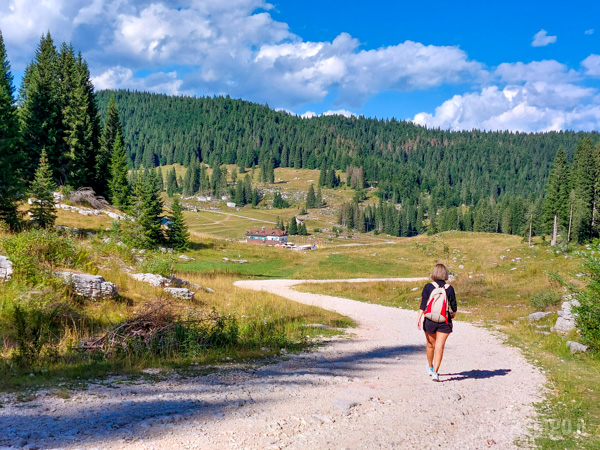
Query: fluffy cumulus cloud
{"points": [[233, 47], [539, 96], [591, 65], [541, 39]]}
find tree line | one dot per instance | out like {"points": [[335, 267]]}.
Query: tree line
{"points": [[51, 135]]}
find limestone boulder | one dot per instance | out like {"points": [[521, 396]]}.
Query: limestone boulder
{"points": [[182, 293], [6, 269], [91, 287], [566, 320]]}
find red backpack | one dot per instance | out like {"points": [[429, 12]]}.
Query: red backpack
{"points": [[437, 306]]}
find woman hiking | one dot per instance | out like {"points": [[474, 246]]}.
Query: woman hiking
{"points": [[438, 306]]}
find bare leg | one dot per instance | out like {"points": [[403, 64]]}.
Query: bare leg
{"points": [[440, 342], [430, 348]]}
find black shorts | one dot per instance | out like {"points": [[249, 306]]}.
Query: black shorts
{"points": [[433, 327]]}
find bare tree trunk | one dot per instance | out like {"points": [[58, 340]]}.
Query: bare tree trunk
{"points": [[554, 231], [570, 223]]}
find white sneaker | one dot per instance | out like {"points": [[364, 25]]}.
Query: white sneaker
{"points": [[435, 376], [429, 371]]}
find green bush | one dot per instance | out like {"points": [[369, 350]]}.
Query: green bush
{"points": [[33, 329], [159, 263], [36, 253], [544, 299], [588, 313]]}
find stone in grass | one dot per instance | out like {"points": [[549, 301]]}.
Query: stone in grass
{"points": [[537, 316], [576, 347], [182, 293], [6, 269], [158, 280], [92, 287]]}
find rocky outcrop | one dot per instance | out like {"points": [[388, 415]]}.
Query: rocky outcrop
{"points": [[576, 347], [92, 287], [158, 280], [182, 293], [566, 321], [534, 317], [6, 269]]}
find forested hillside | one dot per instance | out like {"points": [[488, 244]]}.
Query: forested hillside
{"points": [[403, 159]]}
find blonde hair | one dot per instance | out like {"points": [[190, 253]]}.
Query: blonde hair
{"points": [[439, 272]]}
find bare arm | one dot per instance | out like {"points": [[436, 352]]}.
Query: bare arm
{"points": [[420, 319]]}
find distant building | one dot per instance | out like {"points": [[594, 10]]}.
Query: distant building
{"points": [[267, 236]]}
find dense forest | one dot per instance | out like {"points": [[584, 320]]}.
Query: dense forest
{"points": [[401, 158]]}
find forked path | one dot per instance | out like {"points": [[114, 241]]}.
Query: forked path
{"points": [[364, 392]]}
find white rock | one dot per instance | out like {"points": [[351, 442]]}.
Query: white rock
{"points": [[92, 287], [182, 293], [186, 258], [576, 347], [537, 316], [6, 269], [151, 278]]}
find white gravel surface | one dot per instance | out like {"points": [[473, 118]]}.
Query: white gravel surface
{"points": [[364, 392]]}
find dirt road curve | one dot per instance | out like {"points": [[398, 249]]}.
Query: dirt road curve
{"points": [[367, 392]]}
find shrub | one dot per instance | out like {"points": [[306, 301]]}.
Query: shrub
{"points": [[159, 263], [32, 330], [35, 253], [588, 313], [544, 299]]}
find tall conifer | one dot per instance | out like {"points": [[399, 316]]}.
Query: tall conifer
{"points": [[118, 184], [112, 126], [43, 212], [178, 236], [557, 195], [40, 112], [10, 156]]}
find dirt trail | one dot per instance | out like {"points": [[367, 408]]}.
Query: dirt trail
{"points": [[370, 391]]}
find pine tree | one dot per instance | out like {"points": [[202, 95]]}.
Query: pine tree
{"points": [[10, 156], [293, 227], [323, 174], [118, 184], [80, 118], [557, 195], [43, 212], [319, 198], [239, 194], [583, 178], [255, 197], [188, 182], [112, 126], [171, 182], [247, 190], [311, 199], [178, 236], [148, 210], [41, 113]]}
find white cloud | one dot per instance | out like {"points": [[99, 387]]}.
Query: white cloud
{"points": [[591, 65], [233, 47], [121, 78], [337, 112], [590, 31], [548, 70], [541, 39], [535, 106]]}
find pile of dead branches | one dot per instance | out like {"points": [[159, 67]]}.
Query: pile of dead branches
{"points": [[87, 197], [157, 330]]}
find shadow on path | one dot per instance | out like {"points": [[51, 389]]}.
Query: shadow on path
{"points": [[477, 374], [124, 415]]}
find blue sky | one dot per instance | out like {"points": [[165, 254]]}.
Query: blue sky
{"points": [[518, 65]]}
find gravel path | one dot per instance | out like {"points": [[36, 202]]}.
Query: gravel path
{"points": [[370, 391]]}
